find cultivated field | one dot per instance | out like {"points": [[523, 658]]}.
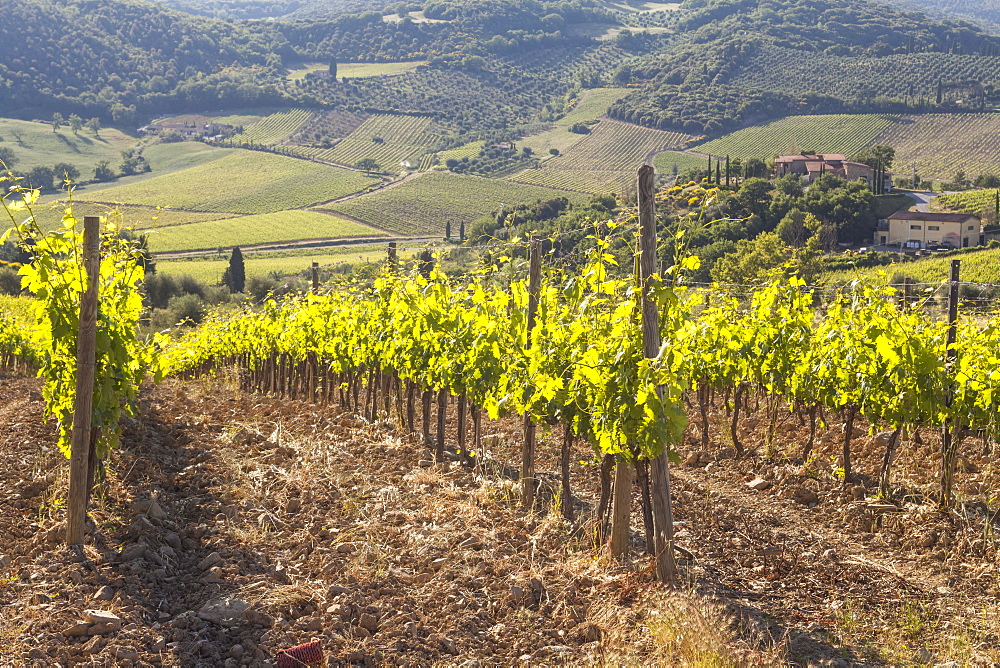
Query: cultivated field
{"points": [[939, 145], [244, 119], [616, 146], [977, 267], [604, 160], [579, 180], [837, 133], [389, 140], [247, 182], [137, 217], [972, 201], [423, 205], [667, 161], [469, 150], [273, 264], [368, 70], [282, 226], [275, 128], [35, 144]]}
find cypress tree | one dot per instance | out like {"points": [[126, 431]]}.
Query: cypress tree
{"points": [[709, 169], [718, 172], [235, 277]]}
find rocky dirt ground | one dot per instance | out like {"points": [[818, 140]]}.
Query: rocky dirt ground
{"points": [[231, 526]]}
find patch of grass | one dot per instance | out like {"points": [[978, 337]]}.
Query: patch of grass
{"points": [[247, 182], [265, 228], [691, 631], [579, 180], [137, 217], [35, 144], [592, 104], [424, 205]]}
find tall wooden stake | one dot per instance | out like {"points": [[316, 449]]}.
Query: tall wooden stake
{"points": [[528, 449], [393, 260], [86, 345], [315, 277], [659, 472], [948, 430]]}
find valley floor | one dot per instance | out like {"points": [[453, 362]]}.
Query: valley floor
{"points": [[276, 522]]}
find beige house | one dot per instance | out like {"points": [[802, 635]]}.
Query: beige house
{"points": [[813, 165], [919, 229]]}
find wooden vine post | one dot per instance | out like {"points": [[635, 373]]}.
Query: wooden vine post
{"points": [[659, 472], [949, 431], [86, 345], [528, 449], [393, 261], [315, 277]]}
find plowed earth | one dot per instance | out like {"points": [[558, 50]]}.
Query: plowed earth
{"points": [[276, 522]]}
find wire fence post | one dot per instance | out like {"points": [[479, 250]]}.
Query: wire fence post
{"points": [[315, 277]]}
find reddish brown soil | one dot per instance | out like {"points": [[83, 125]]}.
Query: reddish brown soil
{"points": [[327, 527]]}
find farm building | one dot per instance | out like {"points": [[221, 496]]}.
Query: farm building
{"points": [[919, 229], [814, 165]]}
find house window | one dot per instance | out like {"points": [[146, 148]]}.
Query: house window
{"points": [[972, 227], [933, 227], [915, 227]]}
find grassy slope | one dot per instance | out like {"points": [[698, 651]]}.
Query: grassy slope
{"points": [[35, 144], [266, 228], [971, 201], [242, 182], [423, 205]]}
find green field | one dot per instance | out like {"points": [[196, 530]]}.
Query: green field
{"points": [[275, 128], [423, 205], [244, 119], [977, 267], [50, 215], [971, 201], [592, 104], [469, 150], [272, 264], [667, 160], [247, 182], [368, 70], [839, 133], [282, 226], [35, 144], [939, 145]]}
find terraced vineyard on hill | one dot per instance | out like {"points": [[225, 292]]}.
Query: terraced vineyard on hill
{"points": [[275, 128], [425, 204], [939, 145], [837, 133], [602, 161], [247, 182], [982, 202], [293, 225]]}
